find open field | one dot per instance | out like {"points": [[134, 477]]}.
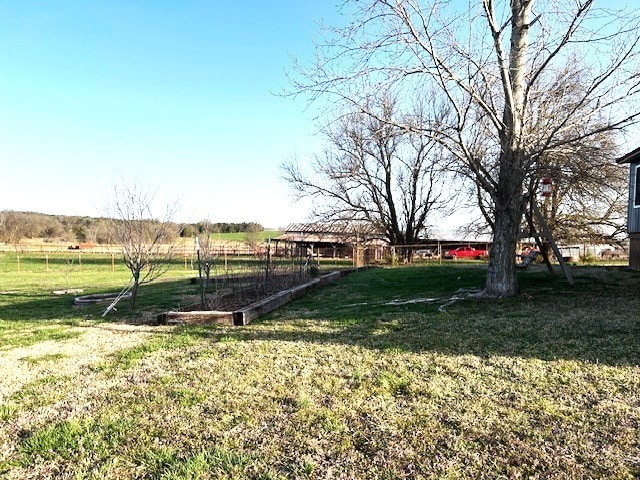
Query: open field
{"points": [[241, 237], [381, 375], [185, 244]]}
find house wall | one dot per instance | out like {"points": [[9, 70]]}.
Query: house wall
{"points": [[634, 251], [633, 217]]}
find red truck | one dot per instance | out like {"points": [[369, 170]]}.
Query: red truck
{"points": [[466, 252]]}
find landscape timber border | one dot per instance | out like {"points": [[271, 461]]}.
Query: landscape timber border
{"points": [[246, 315]]}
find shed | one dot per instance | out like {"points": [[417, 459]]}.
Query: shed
{"points": [[633, 213], [360, 242]]}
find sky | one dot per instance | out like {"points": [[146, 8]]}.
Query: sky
{"points": [[179, 96]]}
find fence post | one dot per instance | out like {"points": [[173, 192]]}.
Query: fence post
{"points": [[113, 262]]}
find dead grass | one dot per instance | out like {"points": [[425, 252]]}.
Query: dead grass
{"points": [[24, 364]]}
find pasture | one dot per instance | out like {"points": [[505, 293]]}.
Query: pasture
{"points": [[388, 373]]}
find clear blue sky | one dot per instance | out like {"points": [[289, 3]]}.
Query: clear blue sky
{"points": [[177, 94]]}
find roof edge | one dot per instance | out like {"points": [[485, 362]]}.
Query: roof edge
{"points": [[630, 157]]}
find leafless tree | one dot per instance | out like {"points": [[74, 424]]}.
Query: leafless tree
{"points": [[14, 226], [495, 62], [207, 245], [588, 198], [11, 227], [588, 184], [147, 242], [253, 235], [375, 172]]}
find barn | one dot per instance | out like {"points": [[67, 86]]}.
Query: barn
{"points": [[361, 243], [633, 215]]}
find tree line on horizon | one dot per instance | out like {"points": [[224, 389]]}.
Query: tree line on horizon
{"points": [[16, 226]]}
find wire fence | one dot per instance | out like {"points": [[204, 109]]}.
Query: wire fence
{"points": [[243, 256]]}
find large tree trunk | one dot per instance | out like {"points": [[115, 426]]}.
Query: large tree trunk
{"points": [[501, 274]]}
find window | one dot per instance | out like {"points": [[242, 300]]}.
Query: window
{"points": [[636, 191]]}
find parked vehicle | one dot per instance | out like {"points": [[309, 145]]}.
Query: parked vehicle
{"points": [[423, 253], [466, 252]]}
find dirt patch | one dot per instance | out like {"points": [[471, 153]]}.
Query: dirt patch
{"points": [[23, 365], [64, 360]]}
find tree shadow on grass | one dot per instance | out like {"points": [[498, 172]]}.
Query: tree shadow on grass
{"points": [[595, 320], [45, 306]]}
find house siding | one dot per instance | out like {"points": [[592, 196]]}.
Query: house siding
{"points": [[633, 217], [634, 251], [633, 213]]}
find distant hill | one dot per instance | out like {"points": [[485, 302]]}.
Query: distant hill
{"points": [[16, 226]]}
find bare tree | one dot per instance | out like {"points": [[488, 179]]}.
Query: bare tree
{"points": [[375, 172], [253, 235], [587, 200], [147, 242], [207, 245], [14, 226], [11, 226], [494, 63]]}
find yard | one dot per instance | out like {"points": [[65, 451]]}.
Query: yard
{"points": [[384, 374]]}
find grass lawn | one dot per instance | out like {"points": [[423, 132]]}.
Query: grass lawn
{"points": [[381, 375], [262, 236]]}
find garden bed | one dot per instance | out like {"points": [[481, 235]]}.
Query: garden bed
{"points": [[243, 306]]}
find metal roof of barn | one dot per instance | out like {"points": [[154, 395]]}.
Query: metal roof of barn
{"points": [[330, 233], [334, 228]]}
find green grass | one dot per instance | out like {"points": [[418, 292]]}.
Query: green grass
{"points": [[50, 357], [242, 236], [46, 390], [168, 464], [356, 380], [7, 411], [127, 358], [19, 334], [83, 442], [26, 293]]}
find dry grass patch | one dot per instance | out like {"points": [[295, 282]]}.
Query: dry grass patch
{"points": [[44, 382], [76, 348]]}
